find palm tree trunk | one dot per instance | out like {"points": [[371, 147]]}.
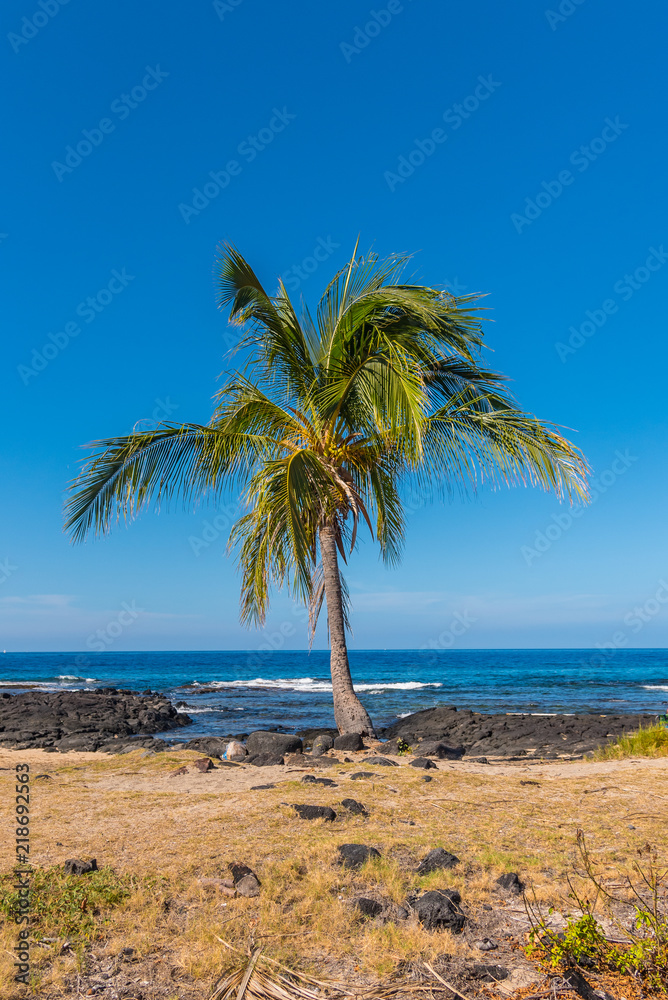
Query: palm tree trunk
{"points": [[350, 714]]}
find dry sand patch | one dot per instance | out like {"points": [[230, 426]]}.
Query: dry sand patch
{"points": [[134, 814]]}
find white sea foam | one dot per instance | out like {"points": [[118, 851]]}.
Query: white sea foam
{"points": [[655, 687], [310, 684]]}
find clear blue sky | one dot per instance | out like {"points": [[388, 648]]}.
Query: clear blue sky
{"points": [[318, 120]]}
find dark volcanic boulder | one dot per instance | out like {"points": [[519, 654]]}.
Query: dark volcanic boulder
{"points": [[423, 762], [314, 812], [359, 775], [368, 907], [264, 759], [354, 807], [212, 746], [382, 761], [510, 881], [83, 720], [321, 744], [440, 909], [435, 748], [354, 855], [75, 866], [310, 779], [349, 741], [274, 743], [438, 858]]}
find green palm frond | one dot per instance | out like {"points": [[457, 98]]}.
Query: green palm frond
{"points": [[333, 419]]}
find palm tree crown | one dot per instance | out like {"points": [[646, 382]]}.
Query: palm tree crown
{"points": [[331, 419]]}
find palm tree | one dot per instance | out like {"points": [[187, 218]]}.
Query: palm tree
{"points": [[332, 418]]}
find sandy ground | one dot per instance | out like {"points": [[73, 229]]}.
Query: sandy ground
{"points": [[136, 814]]}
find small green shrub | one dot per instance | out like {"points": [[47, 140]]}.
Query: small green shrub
{"points": [[403, 748], [648, 741], [68, 906], [583, 942]]}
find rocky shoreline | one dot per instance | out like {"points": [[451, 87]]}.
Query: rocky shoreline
{"points": [[112, 720]]}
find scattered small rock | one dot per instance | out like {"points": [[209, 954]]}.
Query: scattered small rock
{"points": [[204, 764], [310, 779], [314, 812], [383, 761], [440, 908], [367, 907], [245, 880], [422, 762], [485, 944], [530, 781], [358, 775], [259, 788], [179, 770], [248, 886], [489, 973], [354, 807], [435, 860], [75, 866], [349, 741], [510, 881], [309, 760], [427, 777], [354, 855]]}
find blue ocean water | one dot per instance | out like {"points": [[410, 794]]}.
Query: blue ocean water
{"points": [[236, 692]]}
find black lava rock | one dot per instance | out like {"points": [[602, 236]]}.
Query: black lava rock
{"points": [[435, 860], [440, 909], [314, 812], [511, 883], [354, 807], [354, 855], [309, 779], [434, 748], [423, 762], [489, 973], [261, 742], [264, 759], [368, 907], [321, 744], [349, 741], [382, 761], [359, 775], [84, 720], [75, 866]]}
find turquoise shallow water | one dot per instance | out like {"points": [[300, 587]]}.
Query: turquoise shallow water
{"points": [[236, 692]]}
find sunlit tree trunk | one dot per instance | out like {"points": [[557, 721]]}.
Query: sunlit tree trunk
{"points": [[350, 714]]}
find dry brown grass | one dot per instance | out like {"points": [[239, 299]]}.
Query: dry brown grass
{"points": [[130, 813]]}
